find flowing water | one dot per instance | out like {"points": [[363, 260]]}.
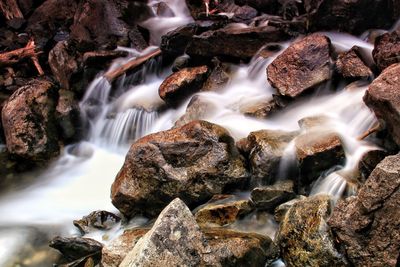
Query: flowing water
{"points": [[79, 181]]}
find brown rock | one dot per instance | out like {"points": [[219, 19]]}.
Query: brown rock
{"points": [[387, 49], [68, 115], [197, 109], [28, 121], [302, 66], [383, 98], [96, 220], [304, 236], [269, 197], [174, 42], [192, 162], [367, 225], [74, 248], [182, 84], [350, 65]]}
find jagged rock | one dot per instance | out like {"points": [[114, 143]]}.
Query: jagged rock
{"points": [[367, 225], [234, 43], [383, 98], [63, 63], [387, 49], [350, 65], [114, 252], [304, 236], [96, 220], [68, 114], [197, 109], [302, 66], [265, 149], [28, 121], [223, 213], [74, 248], [182, 84], [282, 209], [269, 197], [174, 42], [317, 151], [233, 248], [192, 162], [174, 240]]}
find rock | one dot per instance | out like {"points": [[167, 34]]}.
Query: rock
{"points": [[317, 151], [383, 98], [269, 197], [197, 109], [387, 49], [174, 240], [304, 236], [95, 58], [28, 121], [265, 149], [164, 10], [96, 220], [174, 42], [350, 65], [282, 209], [182, 84], [366, 225], [261, 109], [234, 43], [74, 248], [218, 78], [68, 115], [369, 161], [224, 213], [114, 252], [302, 66], [233, 248], [192, 162]]}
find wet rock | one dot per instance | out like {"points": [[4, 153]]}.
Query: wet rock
{"points": [[68, 115], [369, 161], [302, 66], [218, 78], [269, 197], [223, 213], [74, 248], [265, 149], [367, 225], [233, 248], [192, 162], [261, 109], [164, 10], [174, 42], [28, 121], [304, 236], [317, 151], [174, 240], [350, 65], [63, 63], [182, 84], [94, 58], [383, 98], [96, 220], [234, 43], [282, 209], [114, 252], [387, 49]]}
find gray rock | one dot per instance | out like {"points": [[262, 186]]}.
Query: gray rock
{"points": [[269, 197], [96, 220]]}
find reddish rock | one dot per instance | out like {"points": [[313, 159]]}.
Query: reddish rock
{"points": [[387, 49], [383, 97], [192, 162], [302, 66], [350, 65], [182, 84], [367, 226]]}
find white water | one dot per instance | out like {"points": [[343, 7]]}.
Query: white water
{"points": [[79, 181]]}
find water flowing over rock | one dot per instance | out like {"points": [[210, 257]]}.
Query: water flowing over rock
{"points": [[28, 121], [383, 98], [192, 162], [269, 197], [304, 236], [367, 225], [302, 66], [183, 83], [387, 49], [96, 220], [174, 240], [350, 65], [234, 43]]}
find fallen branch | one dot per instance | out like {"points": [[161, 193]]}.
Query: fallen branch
{"points": [[13, 57], [371, 130], [10, 9], [111, 75]]}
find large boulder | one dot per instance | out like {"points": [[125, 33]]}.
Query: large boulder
{"points": [[234, 43], [302, 66], [387, 49], [28, 120], [304, 236], [367, 226], [383, 98], [192, 162]]}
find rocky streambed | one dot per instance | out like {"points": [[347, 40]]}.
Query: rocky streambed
{"points": [[199, 133]]}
